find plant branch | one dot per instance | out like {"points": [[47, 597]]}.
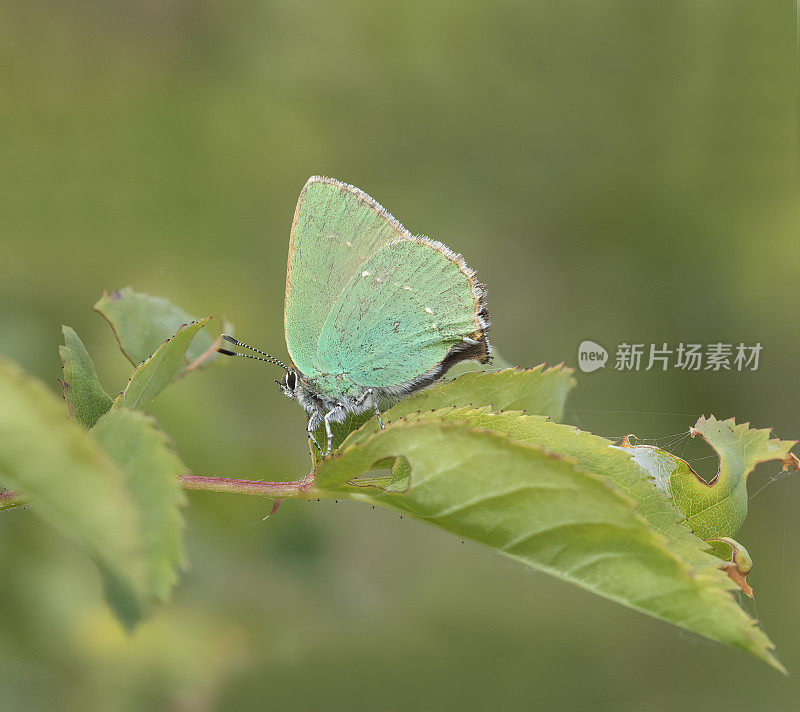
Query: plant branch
{"points": [[276, 490]]}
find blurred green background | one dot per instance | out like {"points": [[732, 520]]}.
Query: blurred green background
{"points": [[615, 171]]}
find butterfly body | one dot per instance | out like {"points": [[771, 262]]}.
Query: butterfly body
{"points": [[373, 313], [323, 408]]}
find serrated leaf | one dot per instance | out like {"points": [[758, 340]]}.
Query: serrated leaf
{"points": [[602, 457], [157, 372], [537, 391], [142, 322], [71, 484], [86, 398], [151, 470], [717, 508], [547, 512]]}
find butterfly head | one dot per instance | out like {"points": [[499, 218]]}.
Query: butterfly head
{"points": [[289, 384]]}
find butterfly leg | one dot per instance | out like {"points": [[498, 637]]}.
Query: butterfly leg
{"points": [[369, 392], [378, 415], [313, 422], [328, 430]]}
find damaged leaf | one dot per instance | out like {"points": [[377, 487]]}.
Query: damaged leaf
{"points": [[717, 508], [552, 513], [596, 455]]}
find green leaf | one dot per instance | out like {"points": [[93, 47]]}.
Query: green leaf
{"points": [[157, 372], [86, 399], [715, 509], [602, 457], [142, 322], [71, 484], [547, 512], [537, 391], [151, 470]]}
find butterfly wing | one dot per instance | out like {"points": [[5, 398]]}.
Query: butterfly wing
{"points": [[411, 304], [367, 303], [336, 228]]}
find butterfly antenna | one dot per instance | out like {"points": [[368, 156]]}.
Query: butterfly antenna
{"points": [[269, 359]]}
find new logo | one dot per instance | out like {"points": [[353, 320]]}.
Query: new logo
{"points": [[591, 356]]}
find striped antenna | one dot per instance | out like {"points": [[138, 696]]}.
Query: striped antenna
{"points": [[269, 359]]}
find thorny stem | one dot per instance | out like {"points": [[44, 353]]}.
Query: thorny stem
{"points": [[276, 490]]}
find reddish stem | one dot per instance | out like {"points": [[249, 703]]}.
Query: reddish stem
{"points": [[276, 490]]}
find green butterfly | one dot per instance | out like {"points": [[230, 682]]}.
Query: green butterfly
{"points": [[373, 313]]}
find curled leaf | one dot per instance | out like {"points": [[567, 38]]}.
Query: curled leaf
{"points": [[719, 507], [738, 563]]}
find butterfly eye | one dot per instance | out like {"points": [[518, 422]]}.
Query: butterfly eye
{"points": [[291, 380]]}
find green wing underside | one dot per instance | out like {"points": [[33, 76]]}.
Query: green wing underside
{"points": [[367, 304]]}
